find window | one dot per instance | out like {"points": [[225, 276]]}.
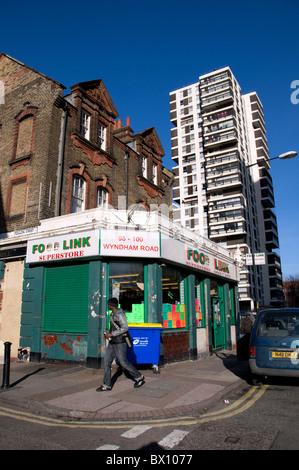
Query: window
{"points": [[126, 283], [18, 196], [273, 324], [174, 308], [85, 125], [24, 137], [155, 173], [78, 194], [24, 132], [102, 136], [2, 100], [200, 303], [144, 167], [102, 197]]}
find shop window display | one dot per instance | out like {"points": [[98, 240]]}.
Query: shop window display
{"points": [[199, 304], [174, 309], [126, 283]]}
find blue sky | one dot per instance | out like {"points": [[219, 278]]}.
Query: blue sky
{"points": [[143, 50]]}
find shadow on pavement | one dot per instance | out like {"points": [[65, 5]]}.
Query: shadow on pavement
{"points": [[26, 377], [238, 367]]}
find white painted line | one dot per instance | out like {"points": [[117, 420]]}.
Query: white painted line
{"points": [[173, 438], [108, 447], [135, 431]]}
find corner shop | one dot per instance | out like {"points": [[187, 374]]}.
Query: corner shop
{"points": [[159, 271]]}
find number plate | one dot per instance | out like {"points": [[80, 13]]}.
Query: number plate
{"points": [[284, 355]]}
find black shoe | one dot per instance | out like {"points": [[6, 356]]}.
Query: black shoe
{"points": [[103, 388], [139, 382]]}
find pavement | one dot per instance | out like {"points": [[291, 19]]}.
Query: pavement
{"points": [[69, 389]]}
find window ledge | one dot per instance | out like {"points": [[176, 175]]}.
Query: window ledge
{"points": [[152, 189], [24, 160], [93, 151]]}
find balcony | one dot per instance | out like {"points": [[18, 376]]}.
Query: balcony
{"points": [[217, 77], [218, 139], [271, 227], [263, 158], [266, 179], [221, 115], [271, 241], [262, 146], [275, 273], [274, 260], [217, 101], [219, 159], [275, 283], [213, 88], [277, 298], [267, 198], [258, 122], [270, 216], [223, 204], [227, 230], [223, 170], [224, 182], [227, 216], [216, 126]]}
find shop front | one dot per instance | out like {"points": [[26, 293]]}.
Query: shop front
{"points": [[157, 279]]}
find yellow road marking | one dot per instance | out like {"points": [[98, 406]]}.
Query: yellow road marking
{"points": [[228, 413], [236, 404], [232, 410]]}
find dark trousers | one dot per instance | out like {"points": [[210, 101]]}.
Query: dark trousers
{"points": [[120, 351]]}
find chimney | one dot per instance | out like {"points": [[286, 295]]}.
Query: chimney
{"points": [[124, 133]]}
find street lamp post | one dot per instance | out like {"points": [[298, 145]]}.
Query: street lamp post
{"points": [[283, 156]]}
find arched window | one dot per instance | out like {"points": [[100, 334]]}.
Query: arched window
{"points": [[78, 194], [24, 132]]}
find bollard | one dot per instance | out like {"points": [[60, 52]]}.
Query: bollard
{"points": [[6, 367]]}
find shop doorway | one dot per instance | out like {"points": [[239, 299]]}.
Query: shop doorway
{"points": [[218, 324], [218, 316]]}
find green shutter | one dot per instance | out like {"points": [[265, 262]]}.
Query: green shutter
{"points": [[66, 299]]}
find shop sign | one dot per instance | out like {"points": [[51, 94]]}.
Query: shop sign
{"points": [[221, 266], [63, 247], [200, 260], [259, 258], [130, 243], [196, 258]]}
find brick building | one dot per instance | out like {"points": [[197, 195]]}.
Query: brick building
{"points": [[64, 154]]}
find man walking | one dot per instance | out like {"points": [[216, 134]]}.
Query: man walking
{"points": [[117, 347]]}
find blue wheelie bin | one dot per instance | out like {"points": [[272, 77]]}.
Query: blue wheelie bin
{"points": [[146, 344]]}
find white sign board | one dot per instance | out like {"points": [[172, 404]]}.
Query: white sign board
{"points": [[202, 260], [63, 247], [259, 258], [130, 243]]}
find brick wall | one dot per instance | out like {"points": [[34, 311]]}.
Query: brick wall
{"points": [[28, 144], [176, 346]]}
